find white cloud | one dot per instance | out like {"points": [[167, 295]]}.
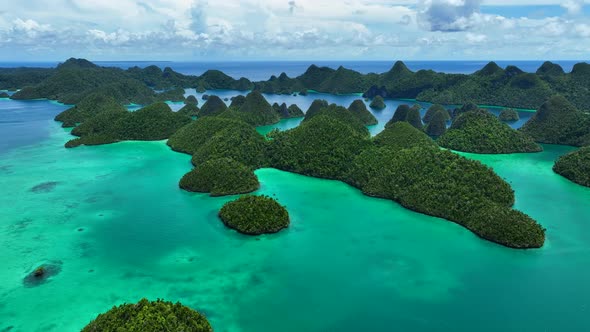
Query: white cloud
{"points": [[304, 29]]}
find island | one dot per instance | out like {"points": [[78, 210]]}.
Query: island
{"points": [[403, 163], [359, 109], [559, 122], [378, 103], [509, 115], [479, 131], [575, 166], [150, 316], [285, 112], [220, 177], [4, 95], [255, 215]]}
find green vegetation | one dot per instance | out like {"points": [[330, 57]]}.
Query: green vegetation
{"points": [[254, 110], [316, 106], [90, 106], [322, 146], [150, 316], [378, 103], [154, 122], [189, 109], [213, 106], [413, 117], [175, 95], [559, 122], [213, 137], [359, 109], [437, 125], [220, 177], [575, 166], [340, 113], [4, 95], [191, 100], [509, 115], [491, 85], [402, 135], [407, 114], [443, 184], [481, 132], [432, 110], [255, 215], [285, 112]]}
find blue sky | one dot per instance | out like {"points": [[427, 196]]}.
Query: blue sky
{"points": [[214, 30]]}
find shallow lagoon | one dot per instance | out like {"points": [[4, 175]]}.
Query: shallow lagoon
{"points": [[121, 229]]}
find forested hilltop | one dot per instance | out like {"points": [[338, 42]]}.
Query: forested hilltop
{"points": [[72, 80]]}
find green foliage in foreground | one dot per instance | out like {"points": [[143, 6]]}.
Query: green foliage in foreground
{"points": [[88, 107], [481, 132], [154, 122], [359, 110], [254, 215], [377, 103], [509, 115], [559, 122], [150, 316], [443, 184], [402, 135], [575, 166], [220, 177]]}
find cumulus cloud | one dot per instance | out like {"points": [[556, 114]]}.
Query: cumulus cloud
{"points": [[449, 15], [573, 7]]}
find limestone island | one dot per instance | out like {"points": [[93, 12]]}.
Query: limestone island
{"points": [[509, 115], [150, 316], [479, 131], [255, 215], [575, 166], [220, 177]]}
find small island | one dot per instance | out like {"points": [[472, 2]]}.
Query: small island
{"points": [[378, 103], [575, 166], [220, 177], [255, 215], [4, 95], [150, 316], [509, 115]]}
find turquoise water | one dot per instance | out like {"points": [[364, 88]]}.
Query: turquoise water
{"points": [[115, 221]]}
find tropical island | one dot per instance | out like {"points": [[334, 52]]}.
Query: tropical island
{"points": [[404, 163], [575, 166], [150, 316], [255, 215], [72, 80]]}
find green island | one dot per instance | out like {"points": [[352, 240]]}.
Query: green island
{"points": [[559, 122], [255, 215], [403, 163], [575, 166], [151, 123], [150, 316], [4, 95], [509, 115], [378, 103], [492, 85], [359, 109], [220, 177], [481, 132]]}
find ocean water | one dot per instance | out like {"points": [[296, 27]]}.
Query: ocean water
{"points": [[263, 70], [114, 220]]}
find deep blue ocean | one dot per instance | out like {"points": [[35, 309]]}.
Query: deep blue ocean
{"points": [[262, 70]]}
